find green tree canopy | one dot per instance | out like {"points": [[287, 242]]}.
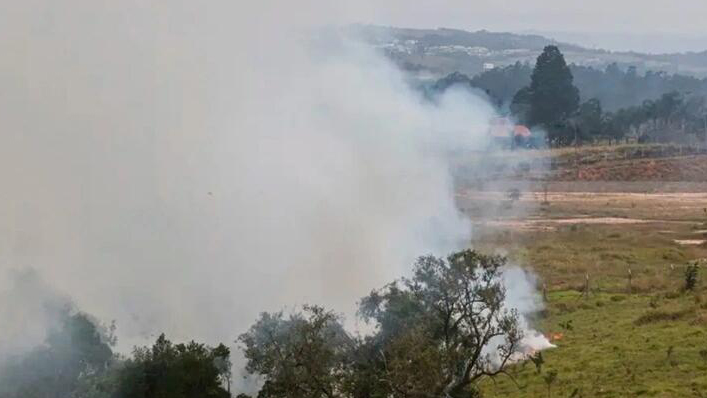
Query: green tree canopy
{"points": [[168, 370], [303, 355], [74, 356], [553, 96], [437, 328], [590, 120], [437, 334]]}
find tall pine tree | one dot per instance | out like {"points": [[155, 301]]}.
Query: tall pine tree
{"points": [[552, 96]]}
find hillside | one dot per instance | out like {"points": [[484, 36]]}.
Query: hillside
{"points": [[443, 51], [620, 168], [650, 163]]}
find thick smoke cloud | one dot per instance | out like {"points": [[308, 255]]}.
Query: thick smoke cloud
{"points": [[28, 308], [181, 166]]}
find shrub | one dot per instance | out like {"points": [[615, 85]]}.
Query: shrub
{"points": [[691, 276], [660, 316]]}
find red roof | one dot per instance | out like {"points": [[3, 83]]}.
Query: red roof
{"points": [[521, 131], [503, 128]]}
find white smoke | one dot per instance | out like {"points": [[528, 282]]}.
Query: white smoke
{"points": [[181, 166], [522, 295], [28, 308]]}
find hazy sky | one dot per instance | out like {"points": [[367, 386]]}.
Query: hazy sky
{"points": [[647, 25], [637, 16]]}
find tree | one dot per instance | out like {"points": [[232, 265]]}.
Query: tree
{"points": [[520, 106], [71, 363], [453, 79], [437, 334], [553, 97], [168, 370], [589, 120], [667, 108], [692, 272], [502, 83], [614, 87], [446, 327], [303, 355]]}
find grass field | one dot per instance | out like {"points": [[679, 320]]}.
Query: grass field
{"points": [[617, 345], [643, 336]]}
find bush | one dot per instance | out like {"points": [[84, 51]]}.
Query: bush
{"points": [[660, 316], [71, 363], [691, 276], [432, 337], [175, 371]]}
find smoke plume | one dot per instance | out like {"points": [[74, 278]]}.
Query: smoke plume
{"points": [[181, 166]]}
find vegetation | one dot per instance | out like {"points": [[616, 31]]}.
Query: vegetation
{"points": [[175, 371], [615, 104], [77, 361], [433, 338], [73, 362], [619, 340], [551, 97], [305, 354], [616, 349], [615, 87], [691, 276], [438, 333], [635, 334]]}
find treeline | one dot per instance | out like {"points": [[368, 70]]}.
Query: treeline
{"points": [[576, 103], [77, 361], [437, 334], [614, 87]]}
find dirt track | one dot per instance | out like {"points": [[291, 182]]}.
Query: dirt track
{"points": [[593, 186], [690, 199], [538, 210], [625, 186]]}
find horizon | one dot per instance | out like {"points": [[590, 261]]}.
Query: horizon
{"points": [[622, 23], [660, 43]]}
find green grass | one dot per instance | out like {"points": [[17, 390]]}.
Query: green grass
{"points": [[563, 257], [651, 342], [619, 346]]}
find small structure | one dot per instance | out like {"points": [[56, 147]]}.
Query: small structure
{"points": [[506, 134]]}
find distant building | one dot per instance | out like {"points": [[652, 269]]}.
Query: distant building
{"points": [[488, 66], [506, 134]]}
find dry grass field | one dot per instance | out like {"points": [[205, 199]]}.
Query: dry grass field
{"points": [[638, 332]]}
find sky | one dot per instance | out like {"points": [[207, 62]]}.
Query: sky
{"points": [[601, 15], [642, 25]]}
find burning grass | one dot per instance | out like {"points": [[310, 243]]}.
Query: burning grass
{"points": [[621, 348]]}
